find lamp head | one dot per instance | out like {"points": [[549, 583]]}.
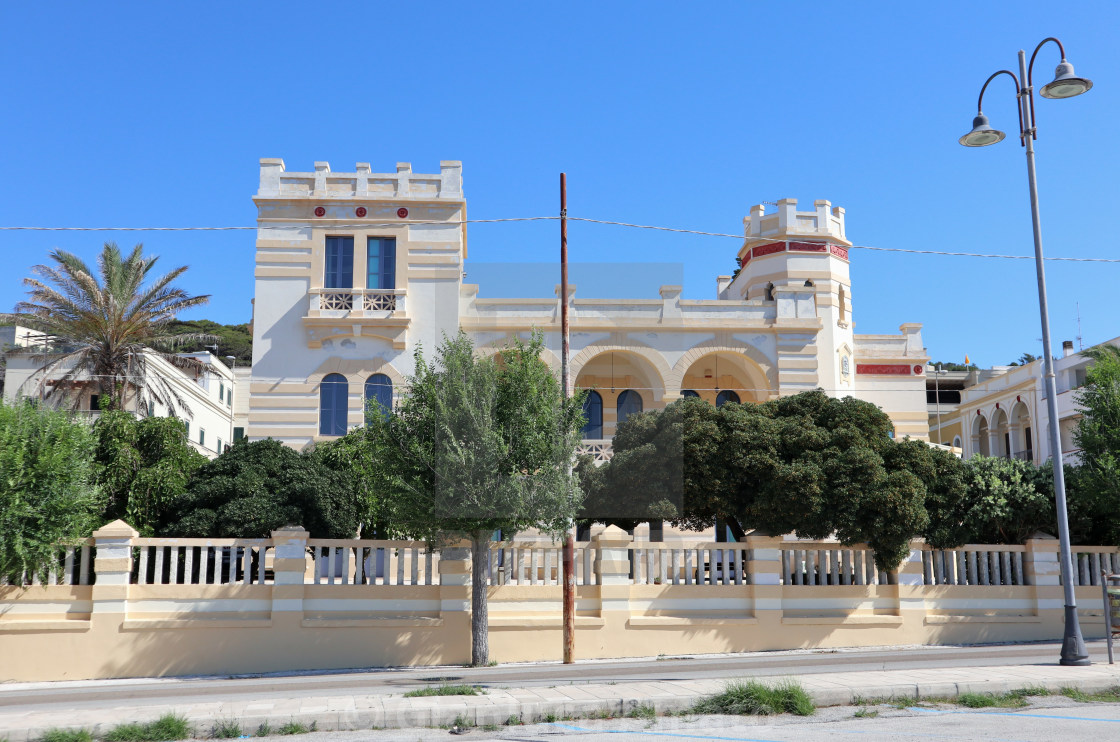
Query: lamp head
{"points": [[982, 133], [1066, 84]]}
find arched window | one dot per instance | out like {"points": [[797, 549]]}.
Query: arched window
{"points": [[629, 402], [332, 405], [726, 396], [379, 387], [769, 292], [593, 412], [956, 441], [808, 283], [689, 393]]}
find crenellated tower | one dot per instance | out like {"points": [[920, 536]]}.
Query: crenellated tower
{"points": [[799, 261]]}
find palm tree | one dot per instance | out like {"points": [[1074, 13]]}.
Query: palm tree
{"points": [[104, 330]]}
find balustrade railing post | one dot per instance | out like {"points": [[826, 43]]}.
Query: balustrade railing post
{"points": [[764, 575], [455, 600], [1042, 570], [289, 567], [113, 570], [911, 587]]}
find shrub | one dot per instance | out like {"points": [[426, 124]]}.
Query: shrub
{"points": [[166, 728], [753, 698]]}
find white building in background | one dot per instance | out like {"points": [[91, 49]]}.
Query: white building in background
{"points": [[1004, 414], [209, 395], [355, 270]]}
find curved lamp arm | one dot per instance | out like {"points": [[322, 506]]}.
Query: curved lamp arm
{"points": [[1030, 77], [980, 100]]}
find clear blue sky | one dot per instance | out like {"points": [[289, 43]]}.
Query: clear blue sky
{"points": [[661, 113]]}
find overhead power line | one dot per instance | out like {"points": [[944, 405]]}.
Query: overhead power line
{"points": [[367, 225]]}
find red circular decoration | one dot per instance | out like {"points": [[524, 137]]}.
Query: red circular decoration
{"points": [[402, 212], [918, 370], [360, 211], [320, 211], [1018, 398]]}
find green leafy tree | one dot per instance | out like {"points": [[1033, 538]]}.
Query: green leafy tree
{"points": [[477, 446], [1098, 437], [104, 327], [232, 340], [255, 488], [807, 464], [1006, 502], [48, 493], [143, 466]]}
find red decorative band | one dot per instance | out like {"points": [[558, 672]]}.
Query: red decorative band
{"points": [[809, 246], [745, 259], [770, 249], [883, 369], [840, 252]]}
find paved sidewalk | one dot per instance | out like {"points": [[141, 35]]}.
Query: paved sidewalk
{"points": [[384, 709]]}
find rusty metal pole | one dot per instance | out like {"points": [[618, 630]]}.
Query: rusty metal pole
{"points": [[565, 380]]}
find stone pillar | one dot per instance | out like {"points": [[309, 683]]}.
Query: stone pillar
{"points": [[910, 588], [455, 601], [764, 574], [612, 573], [289, 567], [113, 570], [1043, 572]]}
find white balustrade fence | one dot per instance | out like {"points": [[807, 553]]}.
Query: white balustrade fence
{"points": [[186, 561], [356, 562], [974, 565], [707, 563], [529, 563], [819, 563], [69, 565], [1089, 564]]}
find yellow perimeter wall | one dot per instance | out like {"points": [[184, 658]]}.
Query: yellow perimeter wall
{"points": [[116, 628]]}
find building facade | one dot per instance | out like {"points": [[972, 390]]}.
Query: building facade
{"points": [[209, 395], [1002, 410], [356, 270]]}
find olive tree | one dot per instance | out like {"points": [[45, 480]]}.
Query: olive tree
{"points": [[478, 445]]}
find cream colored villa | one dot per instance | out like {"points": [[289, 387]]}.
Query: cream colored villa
{"points": [[354, 270]]}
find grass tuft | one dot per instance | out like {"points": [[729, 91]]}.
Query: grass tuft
{"points": [[444, 690], [228, 729], [749, 697], [294, 727], [264, 730], [513, 720], [166, 728], [643, 711], [866, 714], [66, 735], [1112, 695]]}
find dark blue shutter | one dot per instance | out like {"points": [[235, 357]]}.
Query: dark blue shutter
{"points": [[593, 412], [339, 264], [380, 388], [726, 396], [332, 405], [629, 402]]}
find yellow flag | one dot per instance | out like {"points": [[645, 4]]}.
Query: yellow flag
{"points": [[966, 361]]}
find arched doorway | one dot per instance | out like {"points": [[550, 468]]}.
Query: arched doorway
{"points": [[625, 383], [724, 376]]}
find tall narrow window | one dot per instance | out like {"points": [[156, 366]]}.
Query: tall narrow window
{"points": [[769, 292], [379, 387], [381, 263], [843, 308], [593, 412], [629, 402], [332, 405], [238, 434], [339, 265], [726, 396]]}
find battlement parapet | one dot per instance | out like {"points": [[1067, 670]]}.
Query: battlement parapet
{"points": [[824, 222], [362, 184]]}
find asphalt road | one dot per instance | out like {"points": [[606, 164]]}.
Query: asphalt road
{"points": [[139, 692]]}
